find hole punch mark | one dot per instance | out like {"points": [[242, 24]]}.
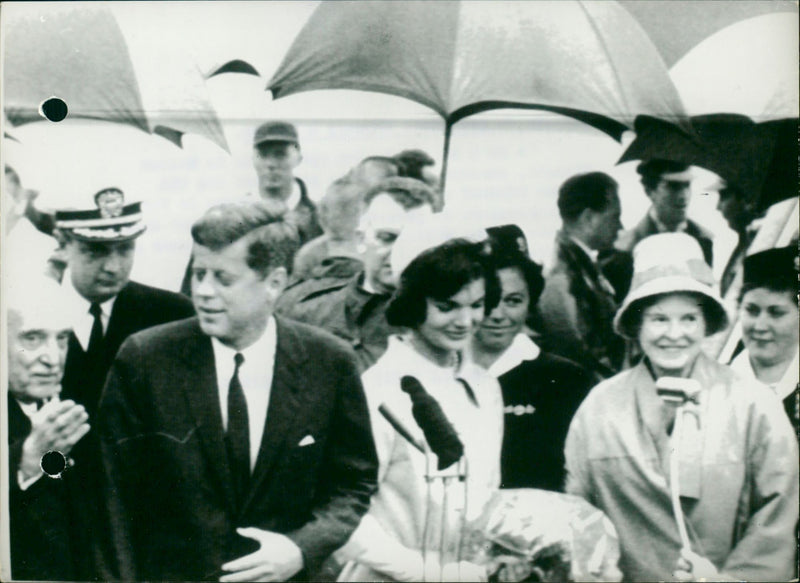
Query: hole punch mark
{"points": [[54, 109], [53, 463]]}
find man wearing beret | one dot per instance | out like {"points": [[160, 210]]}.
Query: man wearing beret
{"points": [[105, 307]]}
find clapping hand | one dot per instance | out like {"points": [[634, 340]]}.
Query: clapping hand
{"points": [[57, 426]]}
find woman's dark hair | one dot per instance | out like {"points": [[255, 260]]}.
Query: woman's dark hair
{"points": [[440, 273], [713, 313], [531, 271]]}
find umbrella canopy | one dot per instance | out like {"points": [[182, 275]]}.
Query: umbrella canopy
{"points": [[759, 158], [84, 57], [677, 26], [589, 60]]}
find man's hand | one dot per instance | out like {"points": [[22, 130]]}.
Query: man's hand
{"points": [[694, 567], [278, 559], [57, 426]]}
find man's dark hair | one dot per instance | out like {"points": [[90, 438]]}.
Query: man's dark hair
{"points": [[651, 171], [440, 273], [272, 240], [411, 163], [408, 192], [593, 190]]}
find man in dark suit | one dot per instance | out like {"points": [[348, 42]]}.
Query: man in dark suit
{"points": [[668, 186], [42, 431], [104, 308], [576, 309], [236, 445]]}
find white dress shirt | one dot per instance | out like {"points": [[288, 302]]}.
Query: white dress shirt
{"points": [[591, 253], [255, 376], [783, 388], [82, 320]]}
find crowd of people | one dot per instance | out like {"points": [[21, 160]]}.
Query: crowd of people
{"points": [[343, 387]]}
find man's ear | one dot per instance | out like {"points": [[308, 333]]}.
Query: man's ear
{"points": [[277, 280], [298, 157]]}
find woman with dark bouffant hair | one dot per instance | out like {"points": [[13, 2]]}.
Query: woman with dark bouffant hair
{"points": [[437, 422]]}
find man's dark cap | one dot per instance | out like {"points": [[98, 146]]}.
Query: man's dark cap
{"points": [[276, 131], [772, 268], [97, 225]]}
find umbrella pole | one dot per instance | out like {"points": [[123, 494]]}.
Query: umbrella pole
{"points": [[445, 153]]}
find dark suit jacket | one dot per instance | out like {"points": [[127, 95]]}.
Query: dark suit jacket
{"points": [[137, 307], [42, 546], [170, 496], [647, 226], [576, 310]]}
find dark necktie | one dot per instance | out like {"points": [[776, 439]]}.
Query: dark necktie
{"points": [[237, 438], [96, 336]]}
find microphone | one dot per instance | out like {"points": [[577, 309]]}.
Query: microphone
{"points": [[678, 391], [439, 432]]}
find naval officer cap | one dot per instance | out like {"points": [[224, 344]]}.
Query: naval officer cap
{"points": [[104, 224]]}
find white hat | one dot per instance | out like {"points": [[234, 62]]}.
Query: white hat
{"points": [[668, 263], [429, 232]]}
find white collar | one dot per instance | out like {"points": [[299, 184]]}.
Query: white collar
{"points": [[256, 352], [662, 228], [522, 348], [294, 196], [783, 388], [586, 249], [79, 314]]}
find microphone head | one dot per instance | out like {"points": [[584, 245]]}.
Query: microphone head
{"points": [[677, 390], [439, 432]]}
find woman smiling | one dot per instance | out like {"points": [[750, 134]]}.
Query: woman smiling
{"points": [[697, 470], [769, 315]]}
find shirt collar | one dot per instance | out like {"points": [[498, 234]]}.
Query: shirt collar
{"points": [[783, 388], [662, 228], [79, 315], [586, 249], [258, 351], [294, 196], [522, 348]]}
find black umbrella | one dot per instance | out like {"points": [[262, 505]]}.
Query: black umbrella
{"points": [[760, 159]]}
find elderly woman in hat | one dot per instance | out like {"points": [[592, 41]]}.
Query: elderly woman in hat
{"points": [[541, 391], [437, 422], [770, 322], [697, 470]]}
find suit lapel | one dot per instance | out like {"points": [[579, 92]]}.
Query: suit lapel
{"points": [[200, 387], [284, 404]]}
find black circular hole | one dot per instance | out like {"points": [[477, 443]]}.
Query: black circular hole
{"points": [[53, 463], [54, 109]]}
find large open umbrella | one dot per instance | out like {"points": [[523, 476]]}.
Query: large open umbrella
{"points": [[589, 60], [760, 159], [82, 55]]}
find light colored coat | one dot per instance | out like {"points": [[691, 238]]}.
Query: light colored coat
{"points": [[738, 475], [392, 532]]}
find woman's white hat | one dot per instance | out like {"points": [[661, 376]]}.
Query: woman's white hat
{"points": [[429, 232], [669, 263]]}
